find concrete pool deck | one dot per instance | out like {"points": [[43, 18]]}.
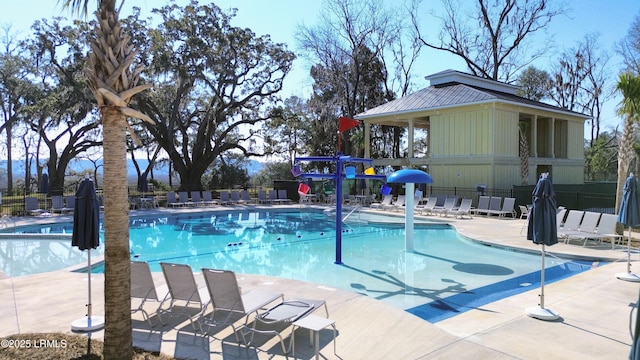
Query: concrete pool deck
{"points": [[594, 310]]}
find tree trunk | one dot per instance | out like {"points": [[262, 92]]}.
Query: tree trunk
{"points": [[625, 153], [117, 271], [9, 131]]}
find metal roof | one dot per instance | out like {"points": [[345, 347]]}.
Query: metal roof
{"points": [[456, 94]]}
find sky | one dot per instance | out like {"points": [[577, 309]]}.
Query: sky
{"points": [[279, 18]]}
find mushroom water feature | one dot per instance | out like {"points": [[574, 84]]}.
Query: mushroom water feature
{"points": [[409, 177]]}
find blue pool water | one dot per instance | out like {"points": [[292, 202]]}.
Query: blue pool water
{"points": [[444, 276]]}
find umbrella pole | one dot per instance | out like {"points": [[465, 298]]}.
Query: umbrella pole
{"points": [[628, 276], [540, 312], [542, 280], [89, 286], [629, 251], [89, 322]]}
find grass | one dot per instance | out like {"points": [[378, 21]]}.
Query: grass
{"points": [[59, 346]]}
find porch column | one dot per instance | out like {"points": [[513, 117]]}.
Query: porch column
{"points": [[410, 140], [552, 137], [367, 139], [534, 136]]}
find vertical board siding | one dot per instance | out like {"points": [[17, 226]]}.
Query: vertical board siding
{"points": [[462, 134]]}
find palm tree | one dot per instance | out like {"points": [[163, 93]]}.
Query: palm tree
{"points": [[629, 86], [113, 79]]}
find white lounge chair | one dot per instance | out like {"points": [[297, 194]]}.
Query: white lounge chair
{"points": [[186, 299], [427, 209], [586, 230], [448, 206], [572, 223], [386, 200], [483, 205], [464, 209], [417, 197], [495, 205], [229, 304], [395, 205], [607, 229], [144, 289], [508, 208]]}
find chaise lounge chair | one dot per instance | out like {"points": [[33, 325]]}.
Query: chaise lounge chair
{"points": [[144, 289], [224, 198], [586, 230], [448, 206], [278, 318], [508, 208], [495, 205], [172, 201], [183, 198], [235, 197], [464, 209], [572, 223], [207, 198], [607, 229], [262, 197], [195, 198], [483, 205], [282, 196], [31, 206], [229, 305], [70, 203], [183, 291], [396, 205], [385, 202], [245, 197], [427, 209], [57, 205]]}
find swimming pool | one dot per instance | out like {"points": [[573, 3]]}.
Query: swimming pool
{"points": [[445, 275]]}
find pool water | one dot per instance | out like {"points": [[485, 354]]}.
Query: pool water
{"points": [[445, 275], [39, 254]]}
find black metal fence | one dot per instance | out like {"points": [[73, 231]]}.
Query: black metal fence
{"points": [[599, 198]]}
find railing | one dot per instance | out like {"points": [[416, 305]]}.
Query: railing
{"points": [[14, 205]]}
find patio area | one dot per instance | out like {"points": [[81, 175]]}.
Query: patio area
{"points": [[594, 310]]}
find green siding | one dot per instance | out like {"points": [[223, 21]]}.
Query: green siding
{"points": [[462, 134]]}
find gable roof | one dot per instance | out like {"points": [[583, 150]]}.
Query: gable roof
{"points": [[452, 94]]}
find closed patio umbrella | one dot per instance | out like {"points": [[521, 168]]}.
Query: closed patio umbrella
{"points": [[629, 215], [86, 236], [44, 184], [543, 231], [142, 184]]}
